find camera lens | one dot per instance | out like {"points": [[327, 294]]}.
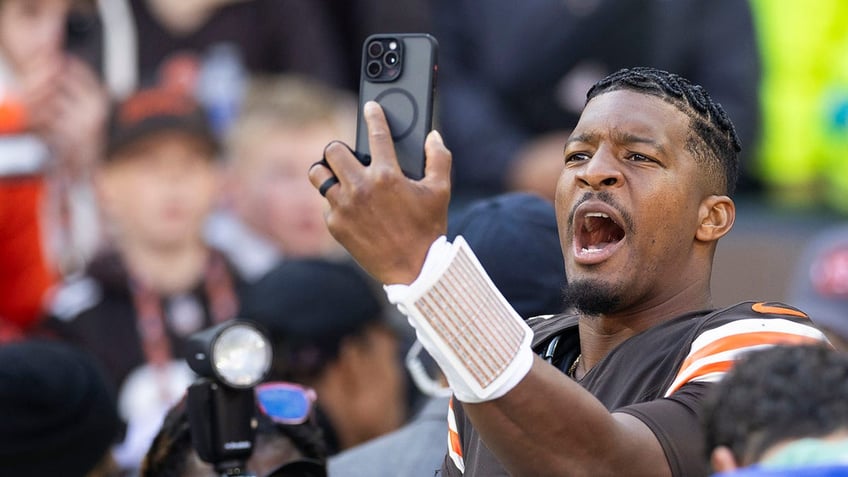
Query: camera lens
{"points": [[375, 49], [391, 58], [374, 68]]}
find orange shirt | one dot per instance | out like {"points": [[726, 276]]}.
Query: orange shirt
{"points": [[25, 274]]}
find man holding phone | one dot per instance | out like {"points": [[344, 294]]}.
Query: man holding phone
{"points": [[641, 202]]}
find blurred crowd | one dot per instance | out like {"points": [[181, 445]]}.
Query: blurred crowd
{"points": [[153, 158]]}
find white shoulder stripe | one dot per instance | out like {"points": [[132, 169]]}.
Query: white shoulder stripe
{"points": [[452, 420], [709, 378], [455, 457], [754, 325], [729, 355]]}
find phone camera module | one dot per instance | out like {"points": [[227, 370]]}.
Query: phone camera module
{"points": [[375, 49], [374, 68], [383, 59], [391, 58]]}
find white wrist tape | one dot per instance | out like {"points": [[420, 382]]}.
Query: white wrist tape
{"points": [[481, 344]]}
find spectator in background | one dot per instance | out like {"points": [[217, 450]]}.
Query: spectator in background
{"points": [[330, 327], [159, 282], [59, 415], [272, 211], [515, 238], [272, 36], [820, 284], [172, 453], [210, 47], [781, 412], [52, 115], [513, 75]]}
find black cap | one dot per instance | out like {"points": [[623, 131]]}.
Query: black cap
{"points": [[309, 305], [59, 415], [151, 111], [516, 240]]}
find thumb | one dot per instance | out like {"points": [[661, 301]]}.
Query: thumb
{"points": [[438, 164]]}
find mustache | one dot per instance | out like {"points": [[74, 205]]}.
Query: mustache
{"points": [[607, 198]]}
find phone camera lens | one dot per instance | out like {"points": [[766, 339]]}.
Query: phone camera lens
{"points": [[374, 68], [375, 49], [391, 58]]}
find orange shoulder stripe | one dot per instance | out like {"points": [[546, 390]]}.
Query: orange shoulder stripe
{"points": [[454, 442], [744, 340], [717, 367], [763, 307]]}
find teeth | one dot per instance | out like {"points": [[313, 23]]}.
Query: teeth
{"points": [[592, 250], [597, 214]]}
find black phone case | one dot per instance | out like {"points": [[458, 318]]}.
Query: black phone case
{"points": [[407, 100]]}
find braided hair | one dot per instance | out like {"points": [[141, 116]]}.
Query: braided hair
{"points": [[714, 143]]}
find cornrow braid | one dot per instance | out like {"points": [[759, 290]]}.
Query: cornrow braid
{"points": [[715, 143]]}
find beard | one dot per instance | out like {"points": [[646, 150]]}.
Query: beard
{"points": [[591, 297]]}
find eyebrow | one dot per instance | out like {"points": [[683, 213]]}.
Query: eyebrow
{"points": [[617, 136]]}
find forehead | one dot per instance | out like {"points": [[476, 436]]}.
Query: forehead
{"points": [[630, 113], [165, 144]]}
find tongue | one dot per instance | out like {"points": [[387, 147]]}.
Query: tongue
{"points": [[600, 234]]}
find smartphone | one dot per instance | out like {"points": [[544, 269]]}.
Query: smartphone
{"points": [[399, 72]]}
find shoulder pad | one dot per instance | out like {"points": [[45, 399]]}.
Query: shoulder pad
{"points": [[537, 318]]}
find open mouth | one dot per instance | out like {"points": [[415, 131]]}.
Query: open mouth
{"points": [[598, 231], [597, 234]]}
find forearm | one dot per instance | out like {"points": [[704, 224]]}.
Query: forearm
{"points": [[536, 420], [550, 425]]}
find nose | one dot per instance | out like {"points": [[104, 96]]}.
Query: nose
{"points": [[601, 171]]}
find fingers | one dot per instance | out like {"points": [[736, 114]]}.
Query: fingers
{"points": [[341, 163], [326, 185], [338, 164], [323, 179], [379, 137]]}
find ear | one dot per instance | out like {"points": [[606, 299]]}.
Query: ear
{"points": [[722, 460], [716, 215]]}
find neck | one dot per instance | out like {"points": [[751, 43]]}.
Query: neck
{"points": [[599, 335], [167, 270]]}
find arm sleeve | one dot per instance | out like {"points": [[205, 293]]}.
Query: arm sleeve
{"points": [[676, 422]]}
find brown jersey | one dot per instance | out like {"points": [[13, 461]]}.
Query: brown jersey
{"points": [[659, 376]]}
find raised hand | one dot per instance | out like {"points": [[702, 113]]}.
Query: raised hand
{"points": [[384, 219]]}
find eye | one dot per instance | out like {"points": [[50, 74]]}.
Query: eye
{"points": [[636, 157], [576, 157]]}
